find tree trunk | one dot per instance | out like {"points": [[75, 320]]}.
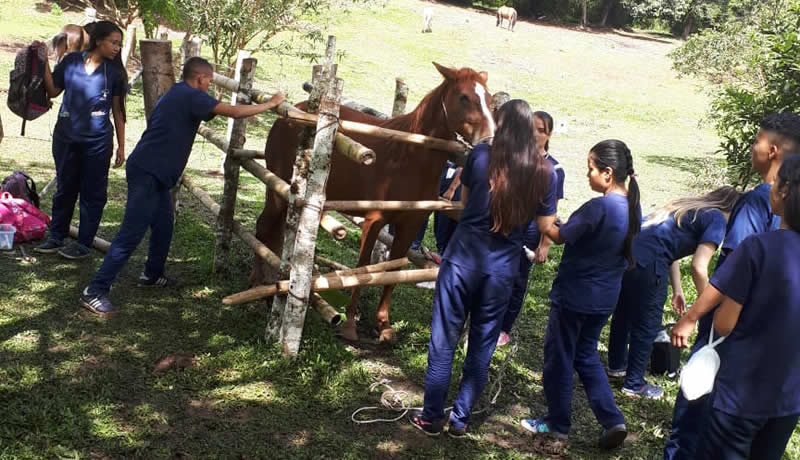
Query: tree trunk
{"points": [[688, 25], [606, 11], [583, 17]]}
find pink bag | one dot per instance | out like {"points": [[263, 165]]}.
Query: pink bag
{"points": [[31, 223]]}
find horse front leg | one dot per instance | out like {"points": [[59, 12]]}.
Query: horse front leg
{"points": [[404, 236], [369, 234], [269, 230]]}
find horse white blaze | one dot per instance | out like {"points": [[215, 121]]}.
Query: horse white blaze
{"points": [[481, 92]]}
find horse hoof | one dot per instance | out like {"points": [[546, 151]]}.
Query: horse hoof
{"points": [[387, 336], [348, 332]]}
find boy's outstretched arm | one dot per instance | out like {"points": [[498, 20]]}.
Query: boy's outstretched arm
{"points": [[244, 111]]}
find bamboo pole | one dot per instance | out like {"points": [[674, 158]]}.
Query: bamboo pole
{"points": [[374, 268], [270, 179], [368, 205], [245, 154], [306, 239], [257, 246], [328, 313], [212, 136], [323, 283], [246, 68], [333, 227], [330, 263], [98, 243], [354, 151]]}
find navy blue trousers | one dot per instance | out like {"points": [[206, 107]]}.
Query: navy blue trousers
{"points": [[82, 170], [461, 293], [688, 419], [517, 294], [731, 437], [636, 321], [148, 207], [571, 343]]}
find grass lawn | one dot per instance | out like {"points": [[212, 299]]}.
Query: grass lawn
{"points": [[75, 386]]}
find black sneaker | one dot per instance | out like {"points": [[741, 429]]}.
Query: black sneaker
{"points": [[50, 246], [97, 304], [74, 251], [613, 437], [423, 424], [457, 432], [161, 281]]}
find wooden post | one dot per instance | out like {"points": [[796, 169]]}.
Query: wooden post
{"points": [[130, 44], [237, 75], [300, 277], [230, 167], [298, 188], [190, 48], [306, 242], [400, 97]]}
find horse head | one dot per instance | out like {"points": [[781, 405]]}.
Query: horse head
{"points": [[466, 103]]}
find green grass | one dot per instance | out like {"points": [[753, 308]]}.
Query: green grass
{"points": [[75, 386]]}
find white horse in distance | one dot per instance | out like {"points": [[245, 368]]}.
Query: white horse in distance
{"points": [[427, 18]]}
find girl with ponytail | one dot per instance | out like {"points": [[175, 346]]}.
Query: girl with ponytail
{"points": [[505, 186], [687, 226], [94, 84], [598, 240]]}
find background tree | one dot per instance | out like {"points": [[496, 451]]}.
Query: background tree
{"points": [[751, 62], [232, 25]]}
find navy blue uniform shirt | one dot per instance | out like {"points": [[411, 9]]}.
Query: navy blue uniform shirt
{"points": [[665, 242], [164, 148], [751, 215], [85, 110], [590, 274], [532, 236], [473, 245], [759, 374]]}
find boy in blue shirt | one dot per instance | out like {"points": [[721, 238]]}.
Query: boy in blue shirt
{"points": [[755, 404], [155, 167], [778, 137]]}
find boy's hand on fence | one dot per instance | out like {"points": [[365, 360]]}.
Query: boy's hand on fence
{"points": [[276, 100]]}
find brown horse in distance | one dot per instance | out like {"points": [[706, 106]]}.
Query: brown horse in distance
{"points": [[508, 13], [460, 104], [71, 38]]}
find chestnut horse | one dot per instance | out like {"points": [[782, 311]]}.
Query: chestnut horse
{"points": [[71, 38], [506, 12], [460, 104]]}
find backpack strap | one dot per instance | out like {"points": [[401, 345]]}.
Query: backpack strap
{"points": [[713, 343]]}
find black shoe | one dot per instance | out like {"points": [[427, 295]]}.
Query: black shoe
{"points": [[74, 251], [50, 246], [423, 424], [161, 281], [457, 432], [613, 437], [97, 304]]}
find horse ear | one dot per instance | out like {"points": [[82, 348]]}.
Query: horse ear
{"points": [[484, 77], [447, 72]]}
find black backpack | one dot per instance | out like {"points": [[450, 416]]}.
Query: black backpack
{"points": [[20, 185], [27, 95]]}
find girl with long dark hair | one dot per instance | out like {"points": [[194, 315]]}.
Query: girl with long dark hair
{"points": [[505, 185], [598, 240], [687, 226], [94, 83]]}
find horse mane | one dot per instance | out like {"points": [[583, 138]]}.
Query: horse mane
{"points": [[413, 121]]}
